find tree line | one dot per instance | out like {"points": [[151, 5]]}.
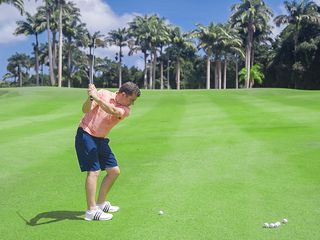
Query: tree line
{"points": [[238, 53]]}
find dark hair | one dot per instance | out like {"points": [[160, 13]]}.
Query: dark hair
{"points": [[130, 88]]}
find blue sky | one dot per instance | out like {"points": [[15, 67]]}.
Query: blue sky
{"points": [[104, 15]]}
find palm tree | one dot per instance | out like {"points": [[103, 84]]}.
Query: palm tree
{"points": [[119, 38], [207, 37], [298, 13], [17, 3], [72, 28], [73, 31], [251, 15], [45, 15], [31, 26], [255, 75], [231, 44], [16, 64], [93, 41], [149, 34], [163, 40], [61, 6], [139, 34], [160, 36], [179, 49]]}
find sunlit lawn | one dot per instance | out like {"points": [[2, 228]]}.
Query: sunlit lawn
{"points": [[218, 163]]}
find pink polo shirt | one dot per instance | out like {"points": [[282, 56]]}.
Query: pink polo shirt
{"points": [[97, 122]]}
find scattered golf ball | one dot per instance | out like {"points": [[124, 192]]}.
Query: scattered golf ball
{"points": [[271, 225], [266, 225], [284, 220], [277, 224], [160, 212]]}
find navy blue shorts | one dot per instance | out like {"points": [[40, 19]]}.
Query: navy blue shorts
{"points": [[93, 153]]}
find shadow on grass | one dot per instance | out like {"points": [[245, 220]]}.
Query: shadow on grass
{"points": [[52, 217]]}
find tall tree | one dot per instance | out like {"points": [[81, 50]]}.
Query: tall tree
{"points": [[45, 14], [119, 38], [17, 63], [206, 38], [179, 49], [139, 34], [299, 12], [251, 15], [31, 26], [231, 44]]}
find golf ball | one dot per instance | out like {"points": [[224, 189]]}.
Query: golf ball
{"points": [[277, 224], [160, 212], [266, 225], [271, 225], [284, 220]]}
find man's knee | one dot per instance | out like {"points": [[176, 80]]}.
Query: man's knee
{"points": [[115, 171], [94, 174]]}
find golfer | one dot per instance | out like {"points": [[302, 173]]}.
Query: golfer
{"points": [[103, 110]]}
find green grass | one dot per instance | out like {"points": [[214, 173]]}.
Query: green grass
{"points": [[218, 163]]}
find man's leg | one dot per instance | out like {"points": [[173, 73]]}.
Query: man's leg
{"points": [[91, 186], [107, 182]]}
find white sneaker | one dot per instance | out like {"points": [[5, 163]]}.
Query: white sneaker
{"points": [[97, 214], [107, 207]]}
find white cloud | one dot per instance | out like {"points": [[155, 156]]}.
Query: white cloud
{"points": [[9, 16], [99, 16], [95, 13]]}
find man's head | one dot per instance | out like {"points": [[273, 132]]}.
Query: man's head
{"points": [[128, 93]]}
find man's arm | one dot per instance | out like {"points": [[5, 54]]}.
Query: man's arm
{"points": [[86, 107], [104, 105]]}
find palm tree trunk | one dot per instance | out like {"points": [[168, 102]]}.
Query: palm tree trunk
{"points": [[219, 74], [54, 50], [161, 75], [168, 75], [248, 54], [225, 74], [69, 65], [20, 75], [252, 57], [150, 73], [60, 47], [237, 73], [52, 79], [208, 72], [120, 75], [120, 67], [145, 77], [178, 74], [216, 84], [154, 70], [37, 60]]}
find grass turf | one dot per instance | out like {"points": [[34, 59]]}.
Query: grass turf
{"points": [[218, 163]]}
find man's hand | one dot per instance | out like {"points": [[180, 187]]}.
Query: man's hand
{"points": [[92, 91]]}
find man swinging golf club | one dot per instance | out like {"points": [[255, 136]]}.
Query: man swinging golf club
{"points": [[103, 110]]}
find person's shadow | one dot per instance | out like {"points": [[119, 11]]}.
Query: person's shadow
{"points": [[51, 217]]}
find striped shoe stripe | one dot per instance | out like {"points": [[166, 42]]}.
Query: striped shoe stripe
{"points": [[97, 215], [106, 207]]}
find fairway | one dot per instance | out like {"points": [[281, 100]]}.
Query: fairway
{"points": [[219, 164]]}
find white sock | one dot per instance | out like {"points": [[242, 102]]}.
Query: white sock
{"points": [[91, 211], [101, 205]]}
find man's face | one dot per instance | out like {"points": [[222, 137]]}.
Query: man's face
{"points": [[125, 99]]}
